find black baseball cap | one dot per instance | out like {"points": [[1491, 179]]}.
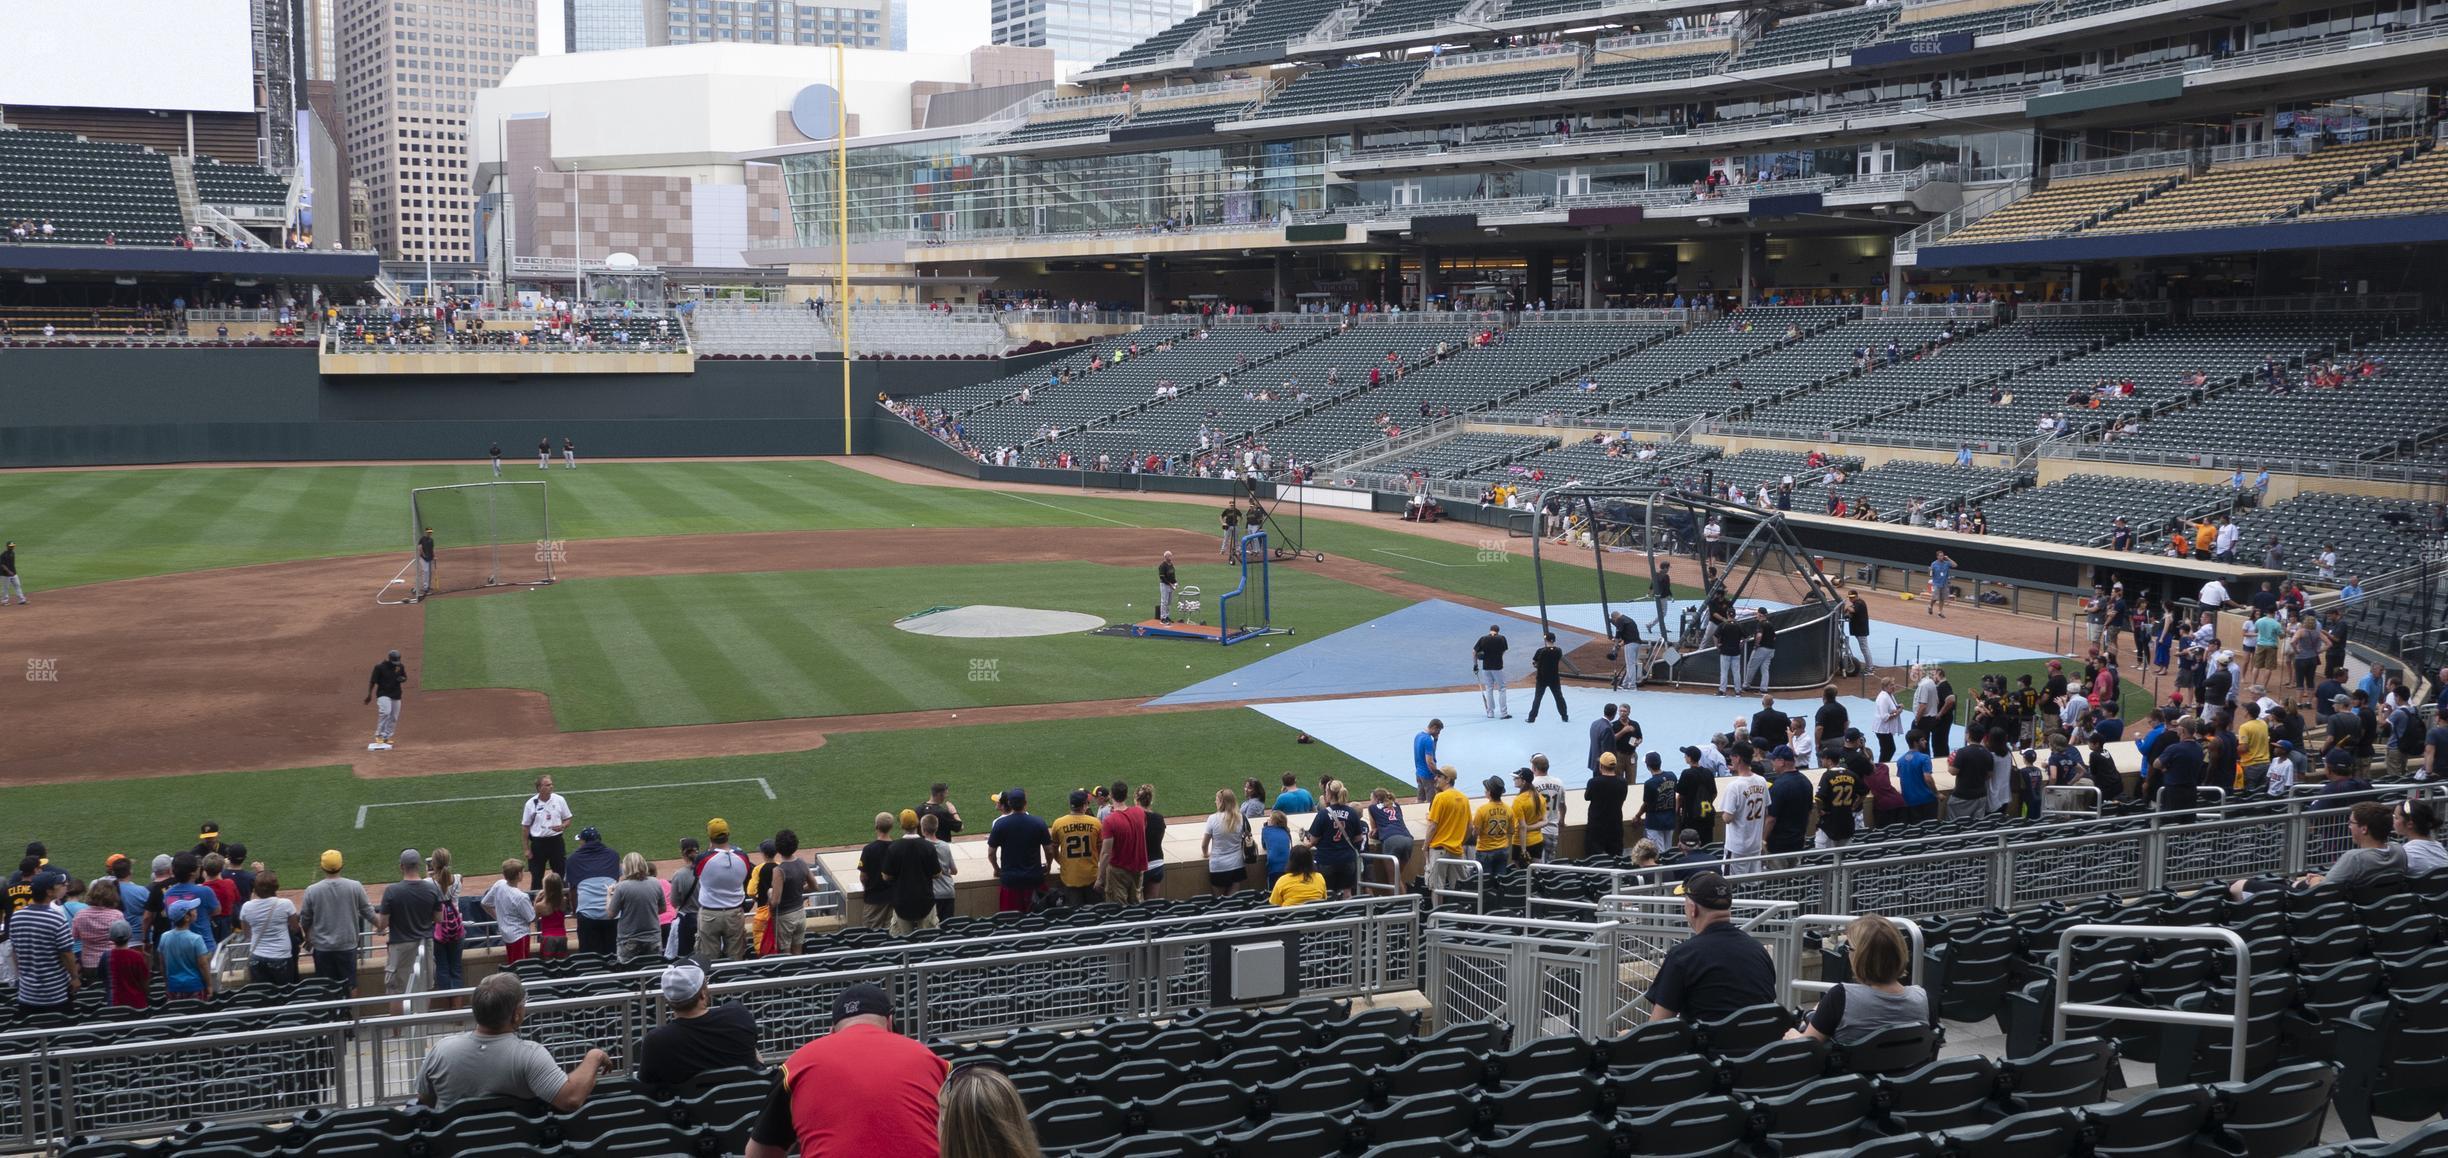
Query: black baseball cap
{"points": [[1707, 890], [861, 1000]]}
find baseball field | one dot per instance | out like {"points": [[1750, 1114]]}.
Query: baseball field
{"points": [[723, 641]]}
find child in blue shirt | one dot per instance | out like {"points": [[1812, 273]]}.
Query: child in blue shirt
{"points": [[1276, 837]]}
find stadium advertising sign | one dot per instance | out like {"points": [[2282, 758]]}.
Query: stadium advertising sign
{"points": [[178, 56], [1913, 48]]}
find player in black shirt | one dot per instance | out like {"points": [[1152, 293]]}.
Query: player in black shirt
{"points": [[1232, 528], [425, 565], [1487, 662], [1165, 583], [1547, 664], [389, 680], [496, 453]]}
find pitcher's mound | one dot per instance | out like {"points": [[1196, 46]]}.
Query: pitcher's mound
{"points": [[987, 621]]}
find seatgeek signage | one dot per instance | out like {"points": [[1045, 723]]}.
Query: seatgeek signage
{"points": [[1912, 48]]}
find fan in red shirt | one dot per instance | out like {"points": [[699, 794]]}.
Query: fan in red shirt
{"points": [[861, 1091]]}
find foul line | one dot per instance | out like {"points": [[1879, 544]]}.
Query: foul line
{"points": [[1067, 510], [759, 781], [1417, 559]]}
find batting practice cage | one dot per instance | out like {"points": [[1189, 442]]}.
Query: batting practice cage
{"points": [[487, 534], [1645, 539]]}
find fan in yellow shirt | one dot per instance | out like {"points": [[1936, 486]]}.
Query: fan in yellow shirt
{"points": [[1529, 816], [1449, 816], [1075, 849], [1301, 883], [1493, 825]]}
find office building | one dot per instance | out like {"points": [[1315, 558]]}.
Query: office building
{"points": [[409, 74], [1084, 30], [853, 23]]}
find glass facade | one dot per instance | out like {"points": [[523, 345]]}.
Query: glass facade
{"points": [[600, 25], [939, 187], [868, 24]]}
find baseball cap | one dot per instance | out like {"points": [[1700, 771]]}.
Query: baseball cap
{"points": [[1781, 752], [210, 832], [1707, 890], [909, 819], [717, 827], [331, 860], [161, 863], [2286, 745], [1853, 733], [1015, 798], [861, 999], [1606, 759], [47, 880], [766, 847], [683, 982], [179, 909], [1691, 752], [119, 931], [114, 860], [411, 859], [588, 833], [2341, 699], [1493, 784], [395, 653]]}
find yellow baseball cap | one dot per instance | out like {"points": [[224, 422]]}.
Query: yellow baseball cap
{"points": [[909, 819], [718, 827], [331, 860]]}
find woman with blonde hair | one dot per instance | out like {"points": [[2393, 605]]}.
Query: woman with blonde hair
{"points": [[1877, 998], [980, 1115], [635, 909], [1224, 845], [448, 972]]}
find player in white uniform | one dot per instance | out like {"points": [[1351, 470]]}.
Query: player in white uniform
{"points": [[1743, 801]]}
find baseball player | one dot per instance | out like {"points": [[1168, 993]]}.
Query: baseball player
{"points": [[1487, 663], [383, 690], [1165, 582], [569, 453], [496, 453], [544, 454], [8, 575], [425, 565], [1232, 527]]}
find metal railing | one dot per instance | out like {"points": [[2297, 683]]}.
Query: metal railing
{"points": [[2014, 866], [2240, 1017], [2129, 163], [1692, 35], [2098, 309], [2308, 304], [1531, 52], [1973, 209], [941, 989], [1542, 978]]}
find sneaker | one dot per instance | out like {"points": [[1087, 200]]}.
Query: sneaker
{"points": [[1506, 716]]}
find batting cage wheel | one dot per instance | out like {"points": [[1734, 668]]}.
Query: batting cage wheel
{"points": [[486, 534]]}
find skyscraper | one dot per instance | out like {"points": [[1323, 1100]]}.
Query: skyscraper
{"points": [[1085, 30], [854, 23], [408, 79]]}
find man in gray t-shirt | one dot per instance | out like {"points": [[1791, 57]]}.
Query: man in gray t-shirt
{"points": [[406, 915], [334, 912], [2373, 858], [494, 1061]]}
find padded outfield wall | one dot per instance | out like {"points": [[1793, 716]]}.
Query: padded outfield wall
{"points": [[114, 407]]}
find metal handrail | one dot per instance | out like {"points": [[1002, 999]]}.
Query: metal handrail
{"points": [[2240, 1018], [1912, 961]]}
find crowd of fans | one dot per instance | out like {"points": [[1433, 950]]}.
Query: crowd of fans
{"points": [[559, 325]]}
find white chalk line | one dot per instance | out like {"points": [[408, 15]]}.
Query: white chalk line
{"points": [[759, 781], [1417, 559], [1068, 510]]}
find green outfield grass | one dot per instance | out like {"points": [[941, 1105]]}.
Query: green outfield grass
{"points": [[828, 795], [75, 527], [696, 649]]}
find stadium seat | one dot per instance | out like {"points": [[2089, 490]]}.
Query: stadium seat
{"points": [[1947, 1094], [2066, 1074], [1077, 1123], [1327, 1089], [1547, 1055], [1164, 1145], [1577, 1137], [1744, 1030], [2280, 1112], [1551, 1097], [1289, 1136], [1889, 1051], [1425, 1117], [1200, 1107], [1828, 1114], [1694, 1128], [1665, 1081], [2395, 1061], [2038, 1134], [2159, 1122], [1429, 1072]]}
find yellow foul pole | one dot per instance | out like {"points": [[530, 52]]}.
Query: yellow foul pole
{"points": [[841, 188]]}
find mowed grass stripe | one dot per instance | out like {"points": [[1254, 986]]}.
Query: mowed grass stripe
{"points": [[651, 681], [763, 493], [817, 669], [712, 643]]}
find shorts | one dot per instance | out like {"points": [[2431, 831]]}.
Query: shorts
{"points": [[1012, 898], [1218, 878], [1341, 876], [1397, 846]]}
